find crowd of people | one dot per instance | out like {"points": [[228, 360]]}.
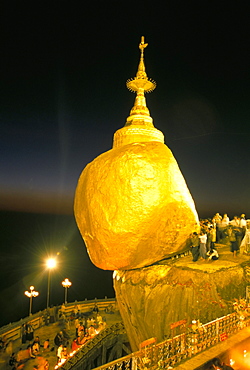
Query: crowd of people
{"points": [[32, 351], [85, 327], [221, 230]]}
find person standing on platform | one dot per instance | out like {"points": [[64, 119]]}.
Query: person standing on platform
{"points": [[235, 221], [77, 324], [209, 240], [58, 340], [213, 236], [30, 333], [24, 333], [203, 242], [216, 223], [59, 353], [223, 226], [243, 225], [234, 247], [245, 244], [195, 245]]}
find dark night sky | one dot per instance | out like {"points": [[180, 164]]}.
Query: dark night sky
{"points": [[63, 71]]}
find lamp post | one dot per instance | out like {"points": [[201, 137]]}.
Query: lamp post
{"points": [[66, 284], [51, 263], [32, 293]]}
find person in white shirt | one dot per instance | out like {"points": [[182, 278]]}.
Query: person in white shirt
{"points": [[243, 225], [245, 244], [59, 352], [243, 221], [235, 222], [225, 221], [203, 241]]}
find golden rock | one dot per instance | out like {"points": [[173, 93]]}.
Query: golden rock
{"points": [[132, 205]]}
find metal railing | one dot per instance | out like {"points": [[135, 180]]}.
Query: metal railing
{"points": [[166, 354], [77, 361], [173, 351]]}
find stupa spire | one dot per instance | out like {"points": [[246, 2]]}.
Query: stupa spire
{"points": [[140, 84], [139, 125]]}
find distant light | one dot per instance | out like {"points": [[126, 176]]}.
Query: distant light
{"points": [[66, 283], [32, 292]]}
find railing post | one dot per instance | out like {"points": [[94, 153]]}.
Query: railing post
{"points": [[134, 363]]}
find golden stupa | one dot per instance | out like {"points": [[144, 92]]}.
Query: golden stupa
{"points": [[132, 204]]}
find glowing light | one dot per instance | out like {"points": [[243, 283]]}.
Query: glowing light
{"points": [[51, 263], [66, 284], [32, 293]]}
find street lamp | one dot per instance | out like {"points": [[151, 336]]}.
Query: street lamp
{"points": [[66, 284], [51, 263], [32, 293]]}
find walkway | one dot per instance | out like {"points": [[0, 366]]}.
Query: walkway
{"points": [[49, 332]]}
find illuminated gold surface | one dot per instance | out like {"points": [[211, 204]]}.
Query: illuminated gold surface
{"points": [[150, 299], [133, 207], [132, 204], [139, 125]]}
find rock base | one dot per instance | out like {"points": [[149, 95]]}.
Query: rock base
{"points": [[150, 299]]}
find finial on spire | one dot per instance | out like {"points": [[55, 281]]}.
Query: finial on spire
{"points": [[140, 84], [142, 45], [141, 73], [141, 80]]}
